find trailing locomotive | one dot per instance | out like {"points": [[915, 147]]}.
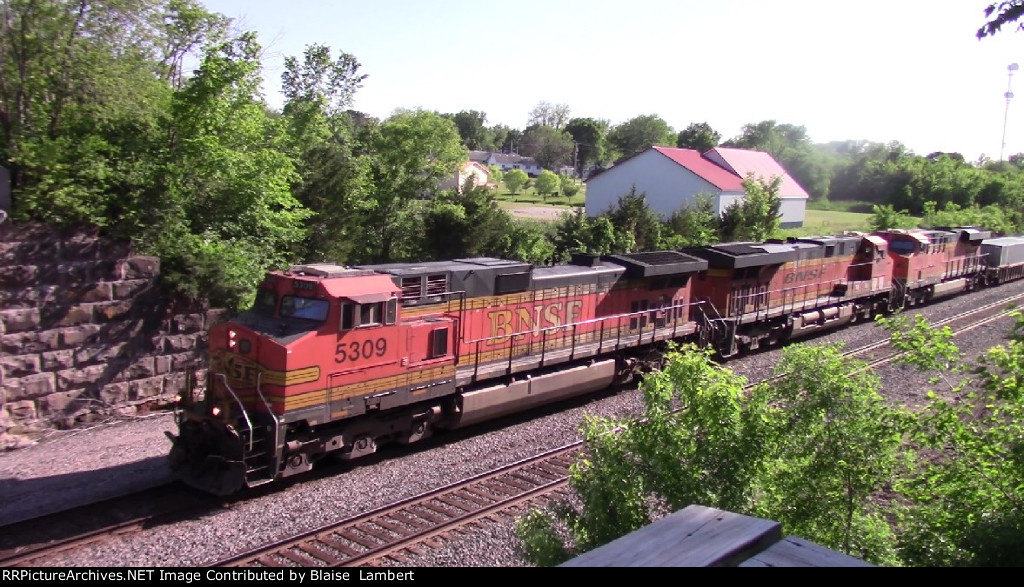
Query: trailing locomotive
{"points": [[336, 360]]}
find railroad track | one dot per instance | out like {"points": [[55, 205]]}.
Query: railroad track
{"points": [[407, 527], [387, 533], [102, 520]]}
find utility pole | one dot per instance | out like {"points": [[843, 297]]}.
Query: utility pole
{"points": [[1009, 94]]}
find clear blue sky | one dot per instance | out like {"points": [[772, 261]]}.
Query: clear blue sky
{"points": [[880, 70]]}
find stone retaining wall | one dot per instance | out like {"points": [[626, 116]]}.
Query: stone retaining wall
{"points": [[85, 334]]}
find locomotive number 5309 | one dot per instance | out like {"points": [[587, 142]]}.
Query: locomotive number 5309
{"points": [[353, 351]]}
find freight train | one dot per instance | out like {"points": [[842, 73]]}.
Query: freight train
{"points": [[337, 361]]}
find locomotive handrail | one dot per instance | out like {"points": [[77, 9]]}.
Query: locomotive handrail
{"points": [[241, 406], [270, 412]]}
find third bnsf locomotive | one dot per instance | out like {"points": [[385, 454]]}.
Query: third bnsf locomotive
{"points": [[335, 360]]}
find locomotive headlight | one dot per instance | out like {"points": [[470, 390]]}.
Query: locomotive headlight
{"points": [[215, 411], [231, 339], [177, 398]]}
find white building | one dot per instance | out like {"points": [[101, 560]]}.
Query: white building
{"points": [[507, 161], [671, 178], [480, 174]]}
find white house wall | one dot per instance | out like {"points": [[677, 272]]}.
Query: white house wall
{"points": [[667, 185], [793, 212]]}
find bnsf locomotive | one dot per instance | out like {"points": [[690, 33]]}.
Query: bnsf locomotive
{"points": [[335, 360]]}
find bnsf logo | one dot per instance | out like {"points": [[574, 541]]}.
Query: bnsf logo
{"points": [[805, 275], [240, 371]]}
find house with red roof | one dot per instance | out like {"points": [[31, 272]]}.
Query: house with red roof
{"points": [[671, 178]]}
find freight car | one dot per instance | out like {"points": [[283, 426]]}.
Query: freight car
{"points": [[335, 360]]}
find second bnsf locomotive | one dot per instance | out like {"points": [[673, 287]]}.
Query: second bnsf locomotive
{"points": [[335, 360]]}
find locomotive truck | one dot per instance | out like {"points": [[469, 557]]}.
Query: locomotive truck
{"points": [[334, 360]]}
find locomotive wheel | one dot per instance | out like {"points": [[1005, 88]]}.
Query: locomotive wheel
{"points": [[363, 445]]}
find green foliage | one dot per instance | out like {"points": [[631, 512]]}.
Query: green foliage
{"points": [[515, 180], [496, 174], [528, 241], [963, 497], [678, 457], [819, 450], [548, 114], [639, 134], [333, 179], [547, 183], [590, 138], [634, 220], [757, 216], [885, 217], [232, 189], [551, 147], [695, 224], [699, 136], [832, 442], [569, 186], [469, 224], [472, 129], [412, 152], [995, 218]]}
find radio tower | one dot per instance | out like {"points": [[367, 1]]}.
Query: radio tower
{"points": [[1009, 80]]}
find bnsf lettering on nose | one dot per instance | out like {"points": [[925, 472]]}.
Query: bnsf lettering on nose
{"points": [[805, 275]]}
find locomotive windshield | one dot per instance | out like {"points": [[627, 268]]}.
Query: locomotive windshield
{"points": [[305, 308]]}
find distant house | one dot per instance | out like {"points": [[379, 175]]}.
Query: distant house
{"points": [[507, 161], [479, 172], [671, 178]]}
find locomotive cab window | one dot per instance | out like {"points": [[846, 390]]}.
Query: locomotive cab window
{"points": [[348, 316], [377, 313], [438, 343]]}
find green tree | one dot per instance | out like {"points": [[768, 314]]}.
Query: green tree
{"points": [[550, 146], [756, 217], [589, 136], [472, 128], [469, 224], [695, 224], [515, 180], [496, 175], [412, 152], [699, 136], [885, 217], [228, 208], [84, 98], [333, 179], [962, 499], [831, 444], [569, 186], [635, 221], [547, 183], [639, 134]]}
